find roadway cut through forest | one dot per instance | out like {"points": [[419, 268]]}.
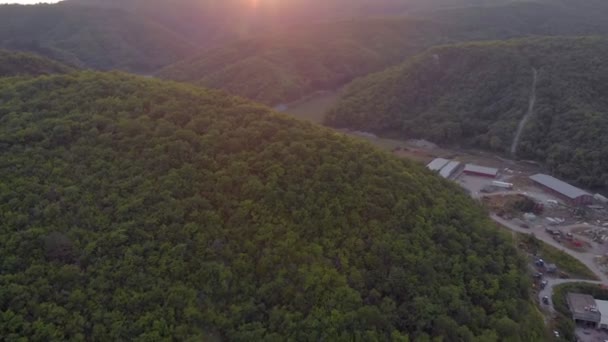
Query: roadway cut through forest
{"points": [[524, 120]]}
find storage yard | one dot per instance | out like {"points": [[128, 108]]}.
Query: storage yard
{"points": [[552, 209]]}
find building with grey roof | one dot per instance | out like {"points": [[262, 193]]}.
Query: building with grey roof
{"points": [[449, 170], [568, 192], [583, 308], [437, 164], [476, 170]]}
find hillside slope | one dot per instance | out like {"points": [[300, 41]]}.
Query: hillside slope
{"points": [[90, 37], [212, 22], [286, 66], [134, 209], [289, 65], [476, 94], [14, 63]]}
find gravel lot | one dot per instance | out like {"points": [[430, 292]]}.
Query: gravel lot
{"points": [[585, 334]]}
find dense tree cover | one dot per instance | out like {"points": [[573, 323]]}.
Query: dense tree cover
{"points": [[291, 64], [211, 22], [136, 209], [476, 94], [21, 64], [288, 65], [90, 37]]}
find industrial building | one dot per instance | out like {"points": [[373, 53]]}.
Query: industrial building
{"points": [[446, 168], [437, 164], [449, 170], [569, 193], [583, 309], [476, 170], [602, 307]]}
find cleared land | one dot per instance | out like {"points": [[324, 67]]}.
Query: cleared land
{"points": [[313, 108]]}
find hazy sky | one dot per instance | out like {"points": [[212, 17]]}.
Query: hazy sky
{"points": [[25, 2]]}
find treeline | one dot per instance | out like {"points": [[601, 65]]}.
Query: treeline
{"points": [[214, 22], [135, 209], [27, 64], [476, 94], [91, 37], [288, 65]]}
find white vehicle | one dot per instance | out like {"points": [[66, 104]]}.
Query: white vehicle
{"points": [[503, 185]]}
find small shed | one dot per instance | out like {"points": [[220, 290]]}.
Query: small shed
{"points": [[481, 171]]}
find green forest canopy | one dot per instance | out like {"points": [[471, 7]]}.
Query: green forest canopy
{"points": [[286, 66], [477, 93], [136, 209], [23, 64], [212, 22], [91, 37]]}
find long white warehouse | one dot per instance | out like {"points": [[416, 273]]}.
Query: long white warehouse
{"points": [[437, 164]]}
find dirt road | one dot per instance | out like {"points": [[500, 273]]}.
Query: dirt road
{"points": [[524, 120]]}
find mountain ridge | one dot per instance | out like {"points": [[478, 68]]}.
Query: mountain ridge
{"points": [[292, 71], [14, 63], [91, 37], [145, 209]]}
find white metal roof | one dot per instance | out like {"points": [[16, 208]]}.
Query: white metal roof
{"points": [[449, 169], [602, 307], [480, 169], [437, 164], [563, 188]]}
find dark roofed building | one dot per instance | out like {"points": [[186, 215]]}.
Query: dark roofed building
{"points": [[476, 170], [568, 192], [583, 308]]}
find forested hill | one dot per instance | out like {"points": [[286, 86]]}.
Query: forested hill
{"points": [[476, 94], [26, 64], [213, 22], [291, 64], [283, 67], [134, 209], [90, 37]]}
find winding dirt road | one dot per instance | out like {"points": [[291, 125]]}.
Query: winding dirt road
{"points": [[524, 120]]}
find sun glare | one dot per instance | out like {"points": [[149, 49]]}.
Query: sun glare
{"points": [[263, 3]]}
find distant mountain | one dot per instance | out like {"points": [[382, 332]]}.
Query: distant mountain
{"points": [[213, 22], [285, 66], [26, 64], [90, 37], [140, 210], [478, 93], [289, 65]]}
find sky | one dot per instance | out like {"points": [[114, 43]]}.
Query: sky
{"points": [[26, 2]]}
